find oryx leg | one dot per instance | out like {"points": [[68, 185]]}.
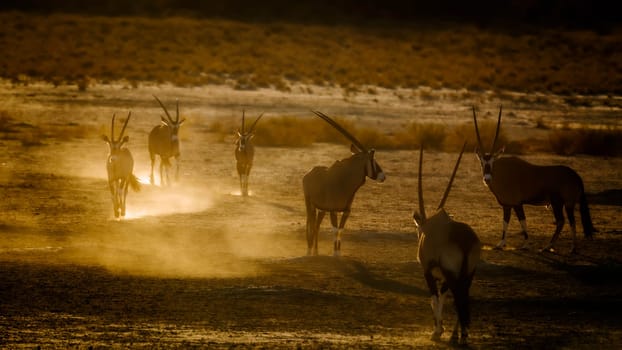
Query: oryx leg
{"points": [[335, 229], [558, 212], [507, 213], [112, 184], [177, 169], [247, 172], [520, 214], [164, 165], [342, 224], [124, 187], [318, 222], [573, 226], [437, 300], [311, 216], [151, 181], [461, 302]]}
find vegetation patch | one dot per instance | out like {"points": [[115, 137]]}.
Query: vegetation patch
{"points": [[288, 131], [595, 142], [82, 50]]}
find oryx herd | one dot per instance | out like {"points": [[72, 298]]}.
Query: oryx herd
{"points": [[448, 250]]}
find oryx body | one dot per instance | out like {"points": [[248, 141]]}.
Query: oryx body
{"points": [[244, 154], [120, 167], [164, 141], [448, 252], [332, 189], [516, 182]]}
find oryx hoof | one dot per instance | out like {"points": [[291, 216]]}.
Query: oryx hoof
{"points": [[337, 253], [547, 249], [436, 336], [573, 251], [500, 245]]}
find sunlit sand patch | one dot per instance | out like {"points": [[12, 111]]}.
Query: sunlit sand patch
{"points": [[238, 193], [372, 339], [47, 249], [492, 247], [144, 180]]}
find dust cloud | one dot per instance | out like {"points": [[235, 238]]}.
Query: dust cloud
{"points": [[187, 231]]}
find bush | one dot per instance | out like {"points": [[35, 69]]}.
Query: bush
{"points": [[595, 142], [302, 132]]}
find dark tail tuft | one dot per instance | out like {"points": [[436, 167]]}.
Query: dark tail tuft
{"points": [[586, 219], [134, 184]]}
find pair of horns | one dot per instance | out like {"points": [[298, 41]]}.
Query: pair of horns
{"points": [[252, 126], [494, 141], [420, 185], [166, 111], [122, 130], [343, 131]]}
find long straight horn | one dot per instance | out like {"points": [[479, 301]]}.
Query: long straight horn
{"points": [[125, 124], [177, 110], [479, 139], [112, 127], [164, 108], [451, 180], [420, 185], [343, 131], [243, 122], [255, 122], [494, 142]]}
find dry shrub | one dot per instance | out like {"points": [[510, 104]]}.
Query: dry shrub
{"points": [[6, 122], [466, 133], [69, 131], [595, 142], [286, 132], [373, 138], [257, 54]]}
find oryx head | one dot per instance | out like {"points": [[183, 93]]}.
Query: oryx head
{"points": [[173, 125], [487, 159], [372, 168], [116, 144], [441, 217], [244, 136]]}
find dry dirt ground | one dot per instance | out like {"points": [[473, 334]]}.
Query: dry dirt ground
{"points": [[197, 265]]}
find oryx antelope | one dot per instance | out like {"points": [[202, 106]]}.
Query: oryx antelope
{"points": [[244, 153], [164, 141], [448, 252], [515, 182], [332, 189], [120, 166]]}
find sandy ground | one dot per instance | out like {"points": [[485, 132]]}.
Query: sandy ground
{"points": [[197, 265]]}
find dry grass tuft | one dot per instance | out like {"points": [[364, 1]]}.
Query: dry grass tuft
{"points": [[595, 142], [287, 131], [266, 54]]}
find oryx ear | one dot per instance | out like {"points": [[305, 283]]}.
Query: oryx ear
{"points": [[417, 219], [499, 152], [105, 138], [354, 149], [239, 134], [182, 121], [164, 121], [126, 139]]}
